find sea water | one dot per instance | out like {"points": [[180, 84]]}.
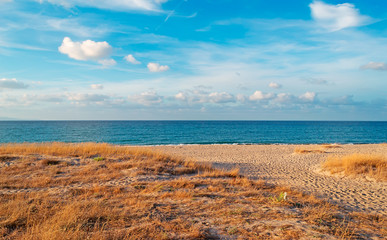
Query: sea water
{"points": [[194, 132]]}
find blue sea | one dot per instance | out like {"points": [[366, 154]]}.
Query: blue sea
{"points": [[194, 132]]}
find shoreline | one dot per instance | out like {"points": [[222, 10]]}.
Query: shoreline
{"points": [[246, 144]]}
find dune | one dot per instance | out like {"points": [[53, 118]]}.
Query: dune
{"points": [[102, 191]]}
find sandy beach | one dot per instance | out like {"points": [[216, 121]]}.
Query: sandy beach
{"points": [[279, 164], [103, 191]]}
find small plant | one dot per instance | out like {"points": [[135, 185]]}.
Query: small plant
{"points": [[232, 230], [98, 159], [280, 198]]}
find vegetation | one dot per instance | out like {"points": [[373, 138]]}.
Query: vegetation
{"points": [[374, 166], [322, 150], [328, 146], [99, 159], [302, 151], [58, 191]]}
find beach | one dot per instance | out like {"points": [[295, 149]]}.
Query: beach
{"points": [[103, 191], [281, 165]]}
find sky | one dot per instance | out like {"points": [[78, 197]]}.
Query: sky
{"points": [[193, 60]]}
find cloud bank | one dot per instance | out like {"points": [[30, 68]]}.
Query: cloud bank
{"points": [[82, 98], [258, 96], [146, 98]]}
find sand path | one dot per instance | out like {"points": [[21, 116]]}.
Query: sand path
{"points": [[278, 164]]}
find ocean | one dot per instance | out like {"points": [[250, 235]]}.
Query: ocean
{"points": [[194, 132]]}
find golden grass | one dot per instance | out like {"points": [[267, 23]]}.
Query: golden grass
{"points": [[58, 191], [374, 166], [83, 150], [323, 146], [328, 146], [303, 151]]}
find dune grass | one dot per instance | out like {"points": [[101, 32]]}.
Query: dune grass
{"points": [[322, 149], [329, 146], [374, 166], [59, 191], [304, 151], [82, 150]]}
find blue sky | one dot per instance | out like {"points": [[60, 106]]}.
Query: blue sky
{"points": [[186, 59]]}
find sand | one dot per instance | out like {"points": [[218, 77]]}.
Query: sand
{"points": [[278, 164]]}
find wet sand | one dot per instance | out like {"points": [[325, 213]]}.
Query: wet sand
{"points": [[278, 164]]}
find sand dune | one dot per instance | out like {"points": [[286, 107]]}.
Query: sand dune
{"points": [[279, 164]]}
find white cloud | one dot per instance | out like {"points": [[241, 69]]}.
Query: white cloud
{"points": [[130, 58], [258, 95], [193, 97], [308, 97], [86, 97], [147, 98], [200, 95], [337, 17], [275, 85], [96, 86], [285, 98], [5, 1], [87, 50], [222, 97], [375, 66], [155, 67], [117, 5], [181, 96], [11, 84], [107, 62]]}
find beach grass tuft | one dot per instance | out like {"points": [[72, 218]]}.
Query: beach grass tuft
{"points": [[374, 166], [304, 151], [328, 146]]}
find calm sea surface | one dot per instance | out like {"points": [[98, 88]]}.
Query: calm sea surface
{"points": [[194, 132]]}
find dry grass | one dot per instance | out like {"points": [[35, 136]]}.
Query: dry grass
{"points": [[328, 146], [323, 146], [303, 151], [83, 150], [358, 164], [58, 191]]}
